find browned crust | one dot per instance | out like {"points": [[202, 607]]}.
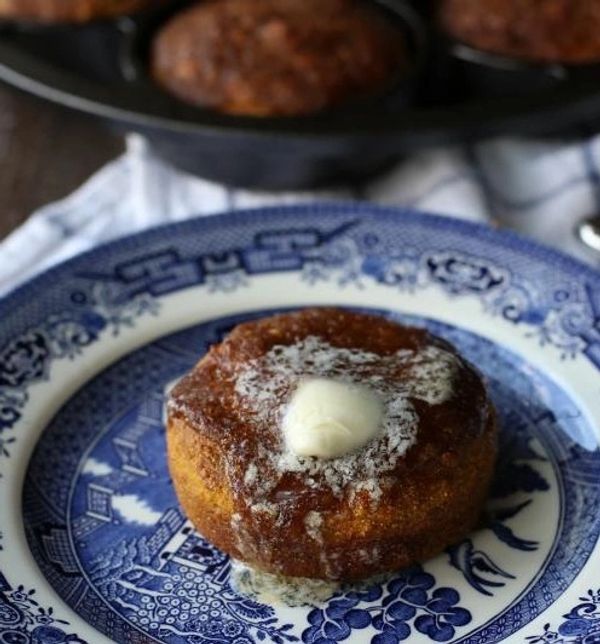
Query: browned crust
{"points": [[431, 498], [69, 10], [428, 512]]}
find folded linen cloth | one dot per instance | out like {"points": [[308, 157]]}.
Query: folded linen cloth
{"points": [[539, 188]]}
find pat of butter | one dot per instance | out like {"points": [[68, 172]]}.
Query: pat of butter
{"points": [[329, 419]]}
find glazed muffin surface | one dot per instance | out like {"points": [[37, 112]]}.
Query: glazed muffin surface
{"points": [[276, 57], [404, 497], [565, 31], [69, 10]]}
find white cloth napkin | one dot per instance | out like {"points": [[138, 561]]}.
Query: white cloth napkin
{"points": [[539, 188]]}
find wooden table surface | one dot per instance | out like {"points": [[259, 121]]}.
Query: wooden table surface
{"points": [[45, 153]]}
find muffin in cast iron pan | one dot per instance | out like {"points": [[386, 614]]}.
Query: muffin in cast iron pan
{"points": [[278, 57]]}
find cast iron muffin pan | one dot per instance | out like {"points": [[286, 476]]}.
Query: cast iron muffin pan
{"points": [[454, 93]]}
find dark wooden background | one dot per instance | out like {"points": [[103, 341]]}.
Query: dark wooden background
{"points": [[45, 153]]}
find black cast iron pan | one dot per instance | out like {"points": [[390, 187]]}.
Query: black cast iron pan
{"points": [[100, 69]]}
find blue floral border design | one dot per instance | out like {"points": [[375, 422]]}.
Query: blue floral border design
{"points": [[23, 620], [566, 316], [408, 605], [581, 624]]}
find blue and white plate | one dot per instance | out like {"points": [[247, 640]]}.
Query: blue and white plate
{"points": [[93, 544]]}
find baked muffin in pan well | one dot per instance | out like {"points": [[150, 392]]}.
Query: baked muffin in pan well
{"points": [[279, 57]]}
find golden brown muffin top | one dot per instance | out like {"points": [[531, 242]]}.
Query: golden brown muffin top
{"points": [[435, 403]]}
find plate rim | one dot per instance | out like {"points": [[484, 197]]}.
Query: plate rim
{"points": [[505, 237]]}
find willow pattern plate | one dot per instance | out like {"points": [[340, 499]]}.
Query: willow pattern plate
{"points": [[93, 544]]}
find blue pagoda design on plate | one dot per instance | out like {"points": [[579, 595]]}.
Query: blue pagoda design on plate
{"points": [[146, 563]]}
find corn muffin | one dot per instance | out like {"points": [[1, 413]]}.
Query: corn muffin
{"points": [[255, 429]]}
